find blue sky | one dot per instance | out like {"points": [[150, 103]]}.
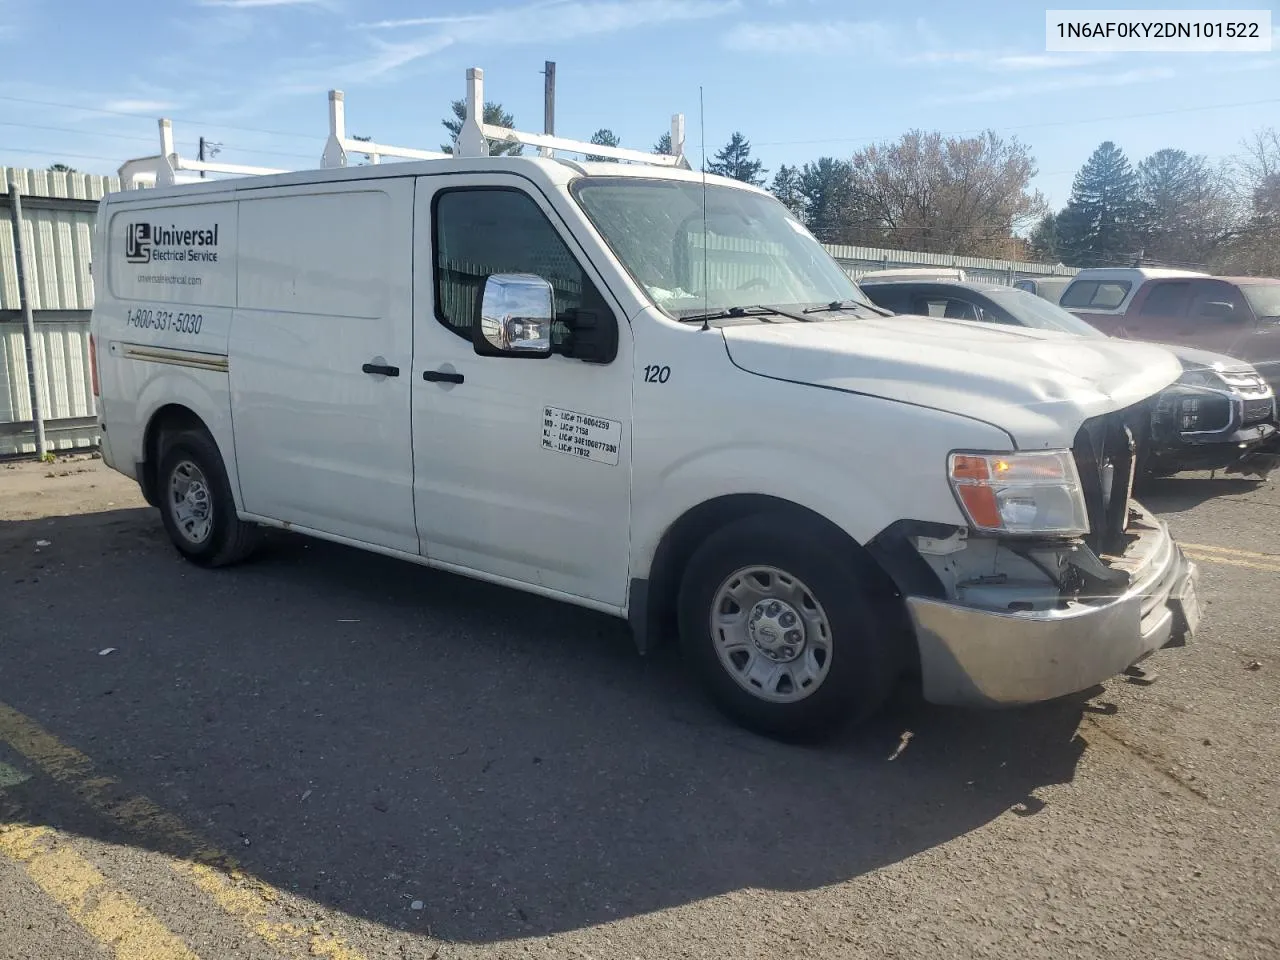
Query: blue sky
{"points": [[801, 78]]}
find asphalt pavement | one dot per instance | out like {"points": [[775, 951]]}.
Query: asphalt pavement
{"points": [[330, 753]]}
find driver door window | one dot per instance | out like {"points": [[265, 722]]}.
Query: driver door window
{"points": [[1209, 300], [483, 231]]}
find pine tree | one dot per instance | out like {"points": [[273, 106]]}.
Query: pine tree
{"points": [[493, 114], [786, 187], [1101, 224], [366, 161], [663, 145], [1044, 240], [827, 189], [604, 137], [734, 160]]}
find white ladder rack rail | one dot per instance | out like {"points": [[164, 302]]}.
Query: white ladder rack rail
{"points": [[169, 168]]}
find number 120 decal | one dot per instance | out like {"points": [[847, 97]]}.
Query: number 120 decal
{"points": [[657, 374]]}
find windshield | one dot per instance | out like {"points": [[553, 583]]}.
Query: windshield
{"points": [[1039, 313], [755, 251], [1264, 298]]}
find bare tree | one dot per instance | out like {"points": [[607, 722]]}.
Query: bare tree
{"points": [[962, 195], [1253, 247]]}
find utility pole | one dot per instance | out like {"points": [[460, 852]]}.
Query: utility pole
{"points": [[208, 150], [28, 322], [548, 103]]}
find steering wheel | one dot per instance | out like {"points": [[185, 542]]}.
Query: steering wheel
{"points": [[754, 282]]}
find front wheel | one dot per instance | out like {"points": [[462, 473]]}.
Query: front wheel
{"points": [[779, 623], [196, 505]]}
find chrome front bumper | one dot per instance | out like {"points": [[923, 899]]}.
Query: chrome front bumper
{"points": [[972, 656]]}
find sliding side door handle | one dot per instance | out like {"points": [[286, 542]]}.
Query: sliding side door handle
{"points": [[380, 369], [442, 376]]}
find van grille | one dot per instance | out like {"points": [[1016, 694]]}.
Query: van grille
{"points": [[1105, 451], [1256, 411], [1245, 383]]}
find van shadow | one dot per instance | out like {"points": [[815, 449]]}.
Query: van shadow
{"points": [[378, 732], [1184, 492]]}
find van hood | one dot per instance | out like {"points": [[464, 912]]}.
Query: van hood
{"points": [[1036, 385], [1193, 358]]}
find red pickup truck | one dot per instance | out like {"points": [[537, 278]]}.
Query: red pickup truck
{"points": [[1236, 316]]}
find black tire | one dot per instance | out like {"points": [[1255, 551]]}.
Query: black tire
{"points": [[864, 652], [228, 539]]}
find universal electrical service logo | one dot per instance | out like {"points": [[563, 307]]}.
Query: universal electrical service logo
{"points": [[155, 243]]}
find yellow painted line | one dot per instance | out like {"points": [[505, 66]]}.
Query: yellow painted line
{"points": [[1231, 561], [1270, 557], [106, 913], [236, 892]]}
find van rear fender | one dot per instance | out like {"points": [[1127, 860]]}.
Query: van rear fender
{"points": [[173, 401]]}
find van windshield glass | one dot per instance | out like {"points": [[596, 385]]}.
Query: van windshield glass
{"points": [[1039, 313], [1264, 298], [756, 251]]}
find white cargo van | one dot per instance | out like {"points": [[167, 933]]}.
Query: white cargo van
{"points": [[632, 388]]}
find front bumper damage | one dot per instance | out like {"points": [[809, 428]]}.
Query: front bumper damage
{"points": [[987, 657]]}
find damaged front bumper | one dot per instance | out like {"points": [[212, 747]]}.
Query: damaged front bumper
{"points": [[985, 657]]}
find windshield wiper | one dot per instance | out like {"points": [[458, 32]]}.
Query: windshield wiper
{"points": [[837, 305], [755, 310]]}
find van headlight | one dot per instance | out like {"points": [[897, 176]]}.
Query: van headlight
{"points": [[1020, 493]]}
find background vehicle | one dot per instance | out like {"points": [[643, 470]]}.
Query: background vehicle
{"points": [[1050, 288], [1235, 316], [1219, 414]]}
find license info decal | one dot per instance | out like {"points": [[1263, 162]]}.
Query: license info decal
{"points": [[581, 435]]}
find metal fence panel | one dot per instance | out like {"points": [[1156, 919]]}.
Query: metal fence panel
{"points": [[62, 378]]}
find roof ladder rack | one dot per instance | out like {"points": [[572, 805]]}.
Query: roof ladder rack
{"points": [[169, 168]]}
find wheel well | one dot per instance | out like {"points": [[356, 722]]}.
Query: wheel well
{"points": [[169, 419], [655, 620]]}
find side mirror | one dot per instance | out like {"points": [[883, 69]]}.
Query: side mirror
{"points": [[516, 311], [1216, 310]]}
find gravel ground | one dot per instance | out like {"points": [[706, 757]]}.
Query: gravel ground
{"points": [[403, 763]]}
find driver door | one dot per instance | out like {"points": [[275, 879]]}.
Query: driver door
{"points": [[522, 465]]}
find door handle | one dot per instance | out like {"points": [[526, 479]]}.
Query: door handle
{"points": [[442, 376], [380, 368]]}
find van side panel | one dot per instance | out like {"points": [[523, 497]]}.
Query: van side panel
{"points": [[325, 290], [166, 286]]}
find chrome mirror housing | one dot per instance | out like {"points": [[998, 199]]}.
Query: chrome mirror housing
{"points": [[516, 310]]}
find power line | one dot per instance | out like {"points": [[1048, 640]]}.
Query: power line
{"points": [[150, 140], [147, 116], [113, 136], [1029, 126], [23, 151]]}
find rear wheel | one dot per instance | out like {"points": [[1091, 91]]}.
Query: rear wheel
{"points": [[781, 628], [196, 505]]}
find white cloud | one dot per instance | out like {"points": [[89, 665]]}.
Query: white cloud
{"points": [[424, 21], [889, 43], [249, 4], [1079, 81], [1045, 61], [549, 21], [139, 106], [850, 37], [1262, 62]]}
